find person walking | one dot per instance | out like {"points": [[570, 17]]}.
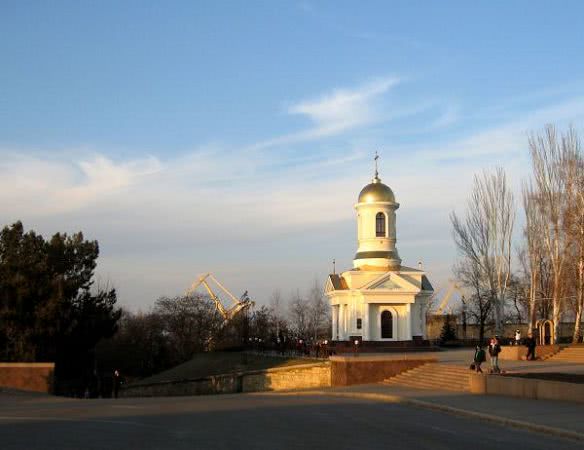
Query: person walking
{"points": [[494, 350], [479, 358], [530, 344], [517, 337]]}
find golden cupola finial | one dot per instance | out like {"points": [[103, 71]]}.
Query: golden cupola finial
{"points": [[376, 191], [376, 177]]}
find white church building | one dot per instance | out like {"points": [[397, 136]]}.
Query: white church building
{"points": [[379, 299]]}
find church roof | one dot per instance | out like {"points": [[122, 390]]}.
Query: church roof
{"points": [[409, 269], [338, 282], [426, 285]]}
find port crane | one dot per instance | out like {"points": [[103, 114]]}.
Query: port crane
{"points": [[228, 312], [453, 286]]}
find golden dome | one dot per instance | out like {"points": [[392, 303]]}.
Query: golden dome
{"points": [[376, 191]]}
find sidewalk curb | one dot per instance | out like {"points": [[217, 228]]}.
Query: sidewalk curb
{"points": [[388, 398]]}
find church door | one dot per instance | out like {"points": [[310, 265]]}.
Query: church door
{"points": [[386, 325], [547, 333]]}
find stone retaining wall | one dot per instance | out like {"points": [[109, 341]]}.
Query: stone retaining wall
{"points": [[526, 388], [281, 378], [348, 370], [518, 352], [36, 377], [295, 377]]}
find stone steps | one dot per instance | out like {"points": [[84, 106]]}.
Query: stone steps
{"points": [[455, 378], [569, 354], [434, 376], [459, 387]]}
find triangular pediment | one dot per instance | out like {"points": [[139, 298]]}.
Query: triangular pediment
{"points": [[387, 284], [329, 285], [391, 282]]}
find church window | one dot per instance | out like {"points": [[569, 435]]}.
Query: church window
{"points": [[386, 325], [380, 225], [359, 323]]}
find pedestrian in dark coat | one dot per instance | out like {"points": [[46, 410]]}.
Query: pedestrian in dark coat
{"points": [[479, 358], [530, 344]]}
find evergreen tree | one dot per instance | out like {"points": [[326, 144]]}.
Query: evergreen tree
{"points": [[49, 310], [448, 332]]}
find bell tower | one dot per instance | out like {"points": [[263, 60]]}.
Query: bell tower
{"points": [[376, 230]]}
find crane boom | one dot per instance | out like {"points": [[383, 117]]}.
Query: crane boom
{"points": [[226, 313], [451, 288], [224, 289]]}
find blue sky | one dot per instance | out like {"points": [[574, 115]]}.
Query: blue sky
{"points": [[235, 136]]}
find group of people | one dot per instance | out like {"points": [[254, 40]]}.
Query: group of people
{"points": [[494, 348], [480, 356]]}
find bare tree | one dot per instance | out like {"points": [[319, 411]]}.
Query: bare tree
{"points": [[516, 299], [580, 243], [532, 232], [575, 222], [479, 304], [484, 237], [318, 311], [276, 307], [191, 322], [554, 178], [276, 301], [298, 313]]}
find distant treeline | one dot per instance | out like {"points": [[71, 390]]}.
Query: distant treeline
{"points": [[52, 310], [177, 328]]}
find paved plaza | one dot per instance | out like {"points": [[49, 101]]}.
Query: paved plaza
{"points": [[364, 416], [257, 421]]}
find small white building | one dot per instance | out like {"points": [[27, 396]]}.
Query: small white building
{"points": [[379, 299]]}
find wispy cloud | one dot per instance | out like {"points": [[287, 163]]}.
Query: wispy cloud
{"points": [[508, 138], [343, 108], [449, 116], [336, 112], [103, 173], [44, 186]]}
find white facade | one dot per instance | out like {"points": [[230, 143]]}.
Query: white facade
{"points": [[379, 299]]}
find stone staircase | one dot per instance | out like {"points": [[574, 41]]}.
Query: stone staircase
{"points": [[573, 354], [434, 376]]}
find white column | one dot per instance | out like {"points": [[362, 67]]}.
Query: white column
{"points": [[335, 320], [408, 330], [342, 317], [349, 317], [365, 325], [340, 321]]}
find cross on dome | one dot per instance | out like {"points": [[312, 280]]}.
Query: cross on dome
{"points": [[376, 191]]}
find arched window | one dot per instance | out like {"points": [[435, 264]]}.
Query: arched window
{"points": [[386, 325], [380, 225]]}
